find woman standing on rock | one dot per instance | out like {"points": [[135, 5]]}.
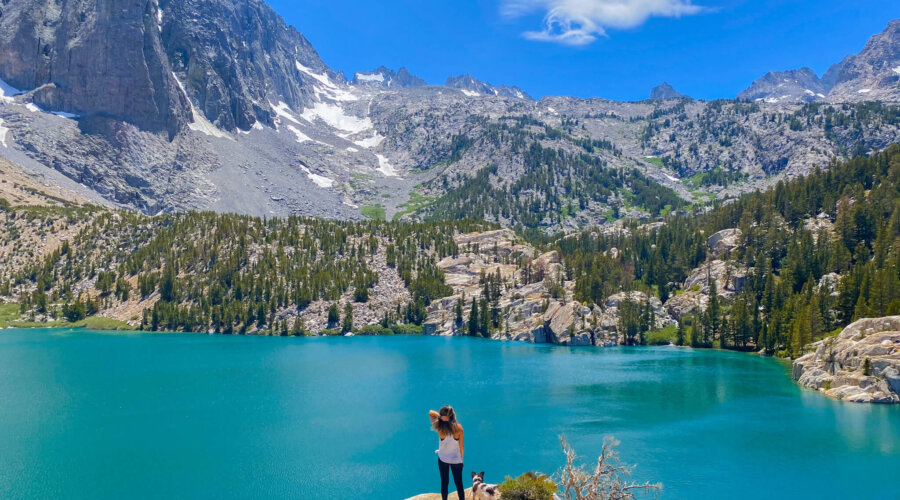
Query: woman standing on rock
{"points": [[450, 449]]}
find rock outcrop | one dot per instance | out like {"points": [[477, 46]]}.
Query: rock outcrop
{"points": [[729, 277], [724, 241], [687, 302], [861, 364], [536, 301], [437, 496]]}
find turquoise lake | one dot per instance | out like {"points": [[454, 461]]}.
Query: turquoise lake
{"points": [[92, 415]]}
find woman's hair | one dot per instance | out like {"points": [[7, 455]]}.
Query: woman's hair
{"points": [[446, 427]]}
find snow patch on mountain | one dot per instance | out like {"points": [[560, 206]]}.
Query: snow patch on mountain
{"points": [[34, 108], [334, 116], [470, 93], [385, 167], [199, 123], [284, 111], [376, 77], [7, 92], [896, 70], [330, 89], [301, 137], [3, 132], [370, 142], [319, 180]]}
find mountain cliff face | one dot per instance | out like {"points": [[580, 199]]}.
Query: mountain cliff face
{"points": [[237, 60], [98, 58], [172, 105], [156, 65]]}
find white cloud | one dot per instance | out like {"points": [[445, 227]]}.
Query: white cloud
{"points": [[580, 22]]}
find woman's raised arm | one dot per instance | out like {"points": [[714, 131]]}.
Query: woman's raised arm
{"points": [[433, 415]]}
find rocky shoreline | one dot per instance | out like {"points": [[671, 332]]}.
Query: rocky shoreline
{"points": [[861, 364]]}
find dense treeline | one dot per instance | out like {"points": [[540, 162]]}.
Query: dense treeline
{"points": [[555, 185], [804, 279], [815, 253], [231, 273]]}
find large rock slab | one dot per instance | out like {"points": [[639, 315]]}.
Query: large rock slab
{"points": [[724, 241], [607, 331], [861, 364], [437, 496], [687, 302], [730, 278]]}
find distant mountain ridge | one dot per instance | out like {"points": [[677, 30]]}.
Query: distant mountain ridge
{"points": [[472, 87], [174, 105], [871, 74], [387, 78]]}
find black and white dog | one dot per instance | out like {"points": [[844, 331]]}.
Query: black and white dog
{"points": [[482, 490]]}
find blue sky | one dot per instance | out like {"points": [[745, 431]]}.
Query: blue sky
{"points": [[616, 49]]}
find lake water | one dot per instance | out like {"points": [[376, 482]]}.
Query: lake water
{"points": [[92, 415]]}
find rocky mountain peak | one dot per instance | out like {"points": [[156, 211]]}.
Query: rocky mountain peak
{"points": [[873, 73], [383, 77], [665, 91], [796, 85], [473, 87]]}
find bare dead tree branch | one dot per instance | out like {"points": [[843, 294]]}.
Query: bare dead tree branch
{"points": [[608, 480]]}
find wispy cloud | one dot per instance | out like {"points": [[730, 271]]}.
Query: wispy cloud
{"points": [[580, 22]]}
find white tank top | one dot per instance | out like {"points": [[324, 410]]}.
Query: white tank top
{"points": [[448, 450]]}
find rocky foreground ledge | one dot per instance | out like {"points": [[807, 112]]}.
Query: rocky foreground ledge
{"points": [[861, 364], [437, 496]]}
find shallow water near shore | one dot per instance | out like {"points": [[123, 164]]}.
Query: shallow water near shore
{"points": [[96, 415]]}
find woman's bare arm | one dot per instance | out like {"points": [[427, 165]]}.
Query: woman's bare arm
{"points": [[433, 415], [461, 444]]}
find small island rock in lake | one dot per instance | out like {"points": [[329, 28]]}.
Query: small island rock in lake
{"points": [[861, 364]]}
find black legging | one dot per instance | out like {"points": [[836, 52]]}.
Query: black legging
{"points": [[457, 479]]}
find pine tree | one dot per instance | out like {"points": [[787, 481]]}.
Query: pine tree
{"points": [[713, 316], [474, 322], [333, 315], [347, 324], [484, 328], [298, 328]]}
